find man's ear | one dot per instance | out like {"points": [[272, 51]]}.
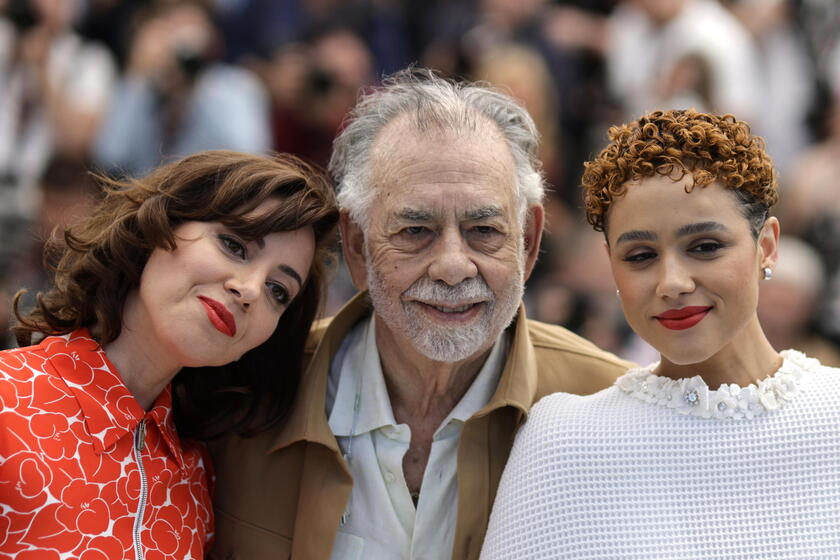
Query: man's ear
{"points": [[353, 248], [534, 223], [768, 242]]}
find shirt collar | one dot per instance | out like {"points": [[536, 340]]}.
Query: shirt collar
{"points": [[361, 384], [484, 385], [516, 388], [111, 412]]}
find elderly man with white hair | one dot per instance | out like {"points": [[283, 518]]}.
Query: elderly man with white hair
{"points": [[415, 389]]}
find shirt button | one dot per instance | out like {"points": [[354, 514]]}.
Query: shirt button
{"points": [[389, 477]]}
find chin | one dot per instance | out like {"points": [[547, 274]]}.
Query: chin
{"points": [[685, 356]]}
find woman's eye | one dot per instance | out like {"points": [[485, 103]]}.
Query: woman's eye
{"points": [[707, 248], [233, 246], [278, 292], [639, 257]]}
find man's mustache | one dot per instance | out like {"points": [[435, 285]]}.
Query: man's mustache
{"points": [[471, 289]]}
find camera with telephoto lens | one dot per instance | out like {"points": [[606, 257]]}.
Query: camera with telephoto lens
{"points": [[190, 60]]}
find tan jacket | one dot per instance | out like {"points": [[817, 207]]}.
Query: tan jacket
{"points": [[281, 494]]}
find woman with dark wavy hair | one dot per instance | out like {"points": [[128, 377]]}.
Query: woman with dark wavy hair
{"points": [[184, 300], [724, 448]]}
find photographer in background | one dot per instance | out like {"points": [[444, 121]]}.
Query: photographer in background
{"points": [[177, 98], [313, 84], [53, 86]]}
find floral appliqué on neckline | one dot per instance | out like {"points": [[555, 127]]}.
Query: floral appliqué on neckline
{"points": [[692, 397]]}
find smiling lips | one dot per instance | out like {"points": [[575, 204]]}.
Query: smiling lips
{"points": [[684, 318], [219, 315], [450, 312]]}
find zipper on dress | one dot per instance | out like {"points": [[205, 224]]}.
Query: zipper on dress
{"points": [[139, 439]]}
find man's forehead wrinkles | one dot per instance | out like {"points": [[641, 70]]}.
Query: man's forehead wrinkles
{"points": [[437, 212]]}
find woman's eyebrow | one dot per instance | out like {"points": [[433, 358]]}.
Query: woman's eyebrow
{"points": [[700, 227], [688, 229], [636, 235], [292, 273]]}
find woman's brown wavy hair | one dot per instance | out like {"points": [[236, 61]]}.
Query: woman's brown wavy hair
{"points": [[679, 142], [102, 258]]}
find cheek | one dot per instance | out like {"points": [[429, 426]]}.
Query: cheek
{"points": [[627, 283], [635, 295], [397, 273], [739, 280], [499, 275]]}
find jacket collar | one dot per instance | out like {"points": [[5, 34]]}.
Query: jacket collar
{"points": [[111, 412], [308, 420], [518, 384]]}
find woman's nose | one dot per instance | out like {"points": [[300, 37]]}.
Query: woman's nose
{"points": [[675, 279], [245, 289]]}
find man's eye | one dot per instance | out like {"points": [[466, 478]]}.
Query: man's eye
{"points": [[233, 246], [485, 230], [414, 231], [278, 292]]}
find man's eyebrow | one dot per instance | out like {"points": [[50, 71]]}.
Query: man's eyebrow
{"points": [[292, 273], [415, 215], [483, 213]]}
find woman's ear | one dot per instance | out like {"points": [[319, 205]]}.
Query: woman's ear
{"points": [[768, 243]]}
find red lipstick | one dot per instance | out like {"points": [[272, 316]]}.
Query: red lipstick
{"points": [[219, 315], [684, 318]]}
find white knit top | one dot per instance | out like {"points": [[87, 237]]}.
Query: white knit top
{"points": [[656, 468]]}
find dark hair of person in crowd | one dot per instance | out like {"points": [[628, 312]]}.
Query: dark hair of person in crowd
{"points": [[678, 142], [102, 258]]}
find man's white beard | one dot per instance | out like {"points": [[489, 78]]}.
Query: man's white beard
{"points": [[441, 343]]}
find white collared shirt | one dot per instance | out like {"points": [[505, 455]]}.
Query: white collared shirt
{"points": [[381, 522]]}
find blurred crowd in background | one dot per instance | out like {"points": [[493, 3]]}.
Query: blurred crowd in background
{"points": [[118, 86]]}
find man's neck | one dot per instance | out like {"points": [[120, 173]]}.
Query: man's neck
{"points": [[419, 387], [423, 393]]}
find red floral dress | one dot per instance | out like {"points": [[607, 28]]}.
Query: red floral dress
{"points": [[85, 472]]}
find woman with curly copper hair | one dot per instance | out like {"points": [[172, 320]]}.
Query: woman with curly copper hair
{"points": [[183, 301], [724, 448]]}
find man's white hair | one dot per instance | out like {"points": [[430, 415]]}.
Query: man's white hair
{"points": [[432, 102]]}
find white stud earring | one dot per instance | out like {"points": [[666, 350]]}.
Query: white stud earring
{"points": [[618, 293], [768, 273]]}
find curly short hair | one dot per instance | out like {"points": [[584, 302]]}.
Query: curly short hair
{"points": [[679, 142], [101, 260]]}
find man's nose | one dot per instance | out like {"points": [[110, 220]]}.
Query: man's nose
{"points": [[452, 262]]}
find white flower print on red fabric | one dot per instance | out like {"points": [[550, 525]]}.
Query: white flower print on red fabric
{"points": [[70, 484]]}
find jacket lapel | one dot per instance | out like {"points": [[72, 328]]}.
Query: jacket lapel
{"points": [[487, 439], [325, 481]]}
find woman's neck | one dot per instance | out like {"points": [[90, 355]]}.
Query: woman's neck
{"points": [[145, 367], [748, 358]]}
